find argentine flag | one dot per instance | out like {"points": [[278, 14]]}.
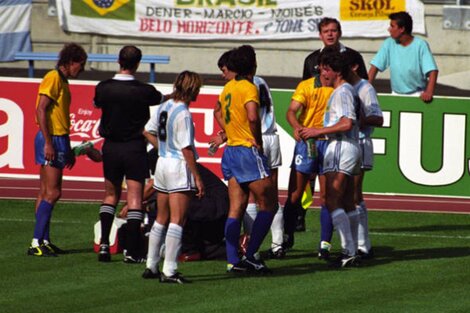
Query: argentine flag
{"points": [[14, 28]]}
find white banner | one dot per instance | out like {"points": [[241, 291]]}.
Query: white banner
{"points": [[232, 19]]}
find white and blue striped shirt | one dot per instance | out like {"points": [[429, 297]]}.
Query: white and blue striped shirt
{"points": [[369, 105], [174, 128], [343, 103], [266, 112]]}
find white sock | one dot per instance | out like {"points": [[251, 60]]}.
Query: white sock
{"points": [[172, 249], [249, 217], [342, 226], [363, 229], [156, 239], [277, 229], [35, 243], [354, 222]]}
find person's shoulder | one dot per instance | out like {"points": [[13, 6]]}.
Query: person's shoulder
{"points": [[313, 54], [420, 42], [51, 75], [306, 82], [352, 51]]}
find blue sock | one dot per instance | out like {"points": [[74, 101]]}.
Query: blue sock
{"points": [[232, 238], [261, 227], [46, 231], [326, 224], [43, 216]]}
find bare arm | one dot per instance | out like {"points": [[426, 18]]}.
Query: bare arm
{"points": [[291, 117], [373, 120], [427, 95], [343, 125], [151, 138], [44, 102], [372, 73], [218, 115], [188, 155], [255, 123]]}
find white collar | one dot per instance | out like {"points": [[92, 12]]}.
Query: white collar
{"points": [[119, 76], [342, 48]]}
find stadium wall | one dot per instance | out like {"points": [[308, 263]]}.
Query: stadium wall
{"points": [[423, 149]]}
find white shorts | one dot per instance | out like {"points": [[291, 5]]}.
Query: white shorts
{"points": [[272, 150], [367, 153], [342, 156], [173, 175]]}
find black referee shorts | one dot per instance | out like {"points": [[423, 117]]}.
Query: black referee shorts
{"points": [[125, 159]]}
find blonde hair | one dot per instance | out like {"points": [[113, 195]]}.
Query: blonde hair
{"points": [[186, 87]]}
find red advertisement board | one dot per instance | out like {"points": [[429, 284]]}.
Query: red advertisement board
{"points": [[18, 128]]}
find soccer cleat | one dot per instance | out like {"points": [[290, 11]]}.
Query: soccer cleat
{"points": [[256, 266], [345, 260], [324, 251], [148, 274], [366, 255], [238, 268], [129, 259], [324, 254], [176, 278], [54, 249], [104, 255], [40, 251], [279, 253]]}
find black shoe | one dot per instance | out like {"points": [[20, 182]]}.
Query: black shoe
{"points": [[54, 249], [129, 259], [239, 268], [176, 278], [345, 260], [256, 266], [104, 255], [148, 274], [324, 254], [40, 251], [366, 255], [280, 253]]}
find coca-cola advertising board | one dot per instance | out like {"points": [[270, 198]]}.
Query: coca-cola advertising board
{"points": [[18, 127]]}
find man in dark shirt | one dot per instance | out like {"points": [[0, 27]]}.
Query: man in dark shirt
{"points": [[330, 33], [124, 103]]}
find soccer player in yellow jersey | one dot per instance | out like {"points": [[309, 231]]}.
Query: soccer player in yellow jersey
{"points": [[52, 142], [244, 165], [306, 109]]}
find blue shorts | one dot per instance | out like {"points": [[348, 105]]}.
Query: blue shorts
{"points": [[303, 163], [245, 164], [61, 144]]}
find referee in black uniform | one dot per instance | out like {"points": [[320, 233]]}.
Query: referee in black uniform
{"points": [[124, 103]]}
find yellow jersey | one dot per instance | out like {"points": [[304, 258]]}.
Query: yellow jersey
{"points": [[313, 100], [235, 95], [56, 87]]}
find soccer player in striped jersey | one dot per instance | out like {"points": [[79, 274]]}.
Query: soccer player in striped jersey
{"points": [[370, 116], [177, 178], [342, 155]]}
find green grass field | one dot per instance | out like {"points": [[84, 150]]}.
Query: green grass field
{"points": [[422, 265]]}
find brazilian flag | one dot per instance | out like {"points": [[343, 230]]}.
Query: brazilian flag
{"points": [[105, 9]]}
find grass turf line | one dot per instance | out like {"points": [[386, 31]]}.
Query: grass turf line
{"points": [[421, 266]]}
